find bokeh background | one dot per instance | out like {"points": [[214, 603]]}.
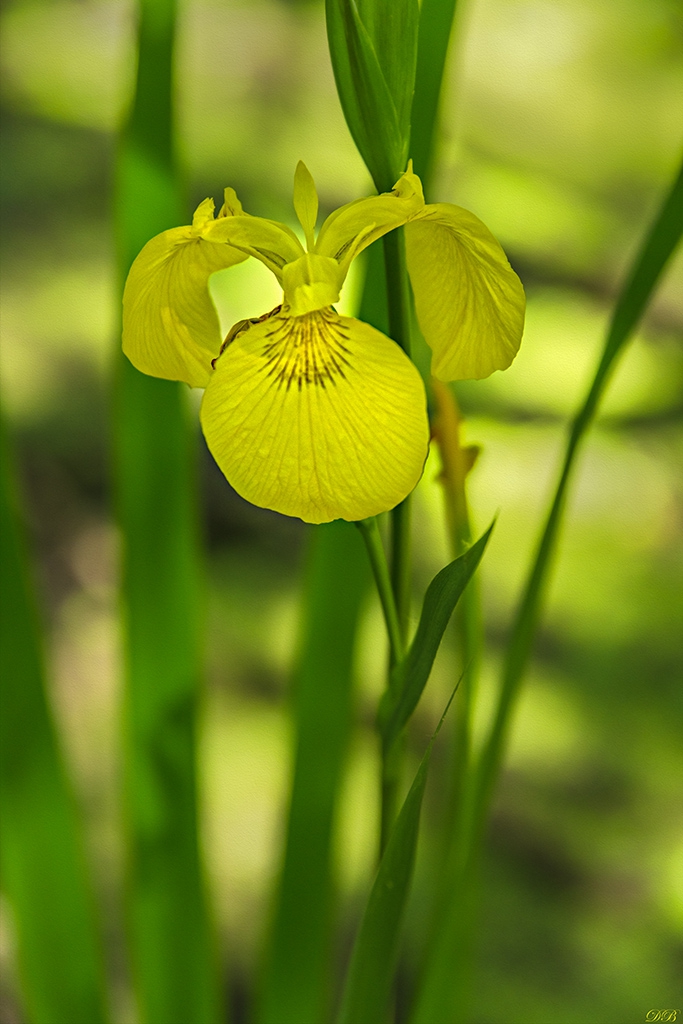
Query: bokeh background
{"points": [[560, 129]]}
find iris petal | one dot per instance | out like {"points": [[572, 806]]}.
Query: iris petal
{"points": [[310, 283], [317, 416], [272, 243], [353, 227], [469, 301], [170, 326], [305, 201]]}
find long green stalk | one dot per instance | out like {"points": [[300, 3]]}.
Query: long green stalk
{"points": [[385, 274], [373, 543], [399, 310], [296, 980], [172, 948], [400, 318], [456, 463], [391, 753], [44, 873], [441, 995]]}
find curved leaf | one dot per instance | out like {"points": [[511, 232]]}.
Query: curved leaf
{"points": [[373, 47], [410, 677], [376, 949]]}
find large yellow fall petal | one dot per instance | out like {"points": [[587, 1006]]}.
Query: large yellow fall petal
{"points": [[317, 416], [170, 326], [469, 301]]}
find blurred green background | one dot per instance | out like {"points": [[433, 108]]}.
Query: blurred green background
{"points": [[560, 129]]}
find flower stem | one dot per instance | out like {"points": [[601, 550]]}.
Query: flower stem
{"points": [[398, 304], [400, 562], [399, 310], [391, 757], [398, 290], [373, 542], [456, 462]]}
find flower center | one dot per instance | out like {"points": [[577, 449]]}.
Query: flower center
{"points": [[310, 283], [306, 350]]}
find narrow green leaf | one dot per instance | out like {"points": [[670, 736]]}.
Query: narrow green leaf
{"points": [[393, 30], [296, 980], [659, 245], [440, 995], [375, 952], [436, 22], [43, 867], [368, 106], [173, 955], [411, 676]]}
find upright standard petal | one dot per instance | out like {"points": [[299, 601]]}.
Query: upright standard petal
{"points": [[170, 326], [469, 301], [351, 228], [317, 416], [306, 201]]}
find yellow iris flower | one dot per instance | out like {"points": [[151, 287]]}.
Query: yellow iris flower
{"points": [[307, 412]]}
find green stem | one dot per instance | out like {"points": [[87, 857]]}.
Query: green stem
{"points": [[392, 758], [398, 304], [398, 289], [401, 518], [456, 462], [373, 542], [391, 755], [399, 312]]}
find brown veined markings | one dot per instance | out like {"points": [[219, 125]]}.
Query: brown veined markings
{"points": [[309, 349], [240, 327]]}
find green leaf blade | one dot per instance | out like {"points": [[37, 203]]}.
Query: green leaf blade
{"points": [[393, 29], [375, 952], [367, 104], [374, 50], [43, 865], [295, 985], [172, 944], [440, 600], [657, 249]]}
